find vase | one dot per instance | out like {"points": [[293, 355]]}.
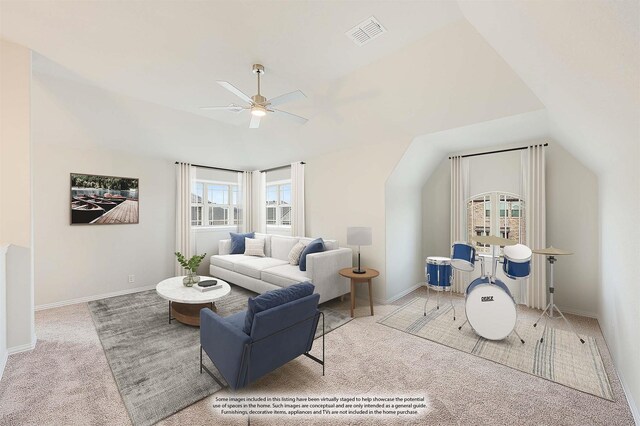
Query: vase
{"points": [[190, 279]]}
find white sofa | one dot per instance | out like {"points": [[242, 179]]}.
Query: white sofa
{"points": [[261, 274]]}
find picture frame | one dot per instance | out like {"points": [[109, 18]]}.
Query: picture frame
{"points": [[103, 199]]}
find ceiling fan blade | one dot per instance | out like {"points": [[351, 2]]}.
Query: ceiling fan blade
{"points": [[231, 108], [294, 117], [287, 97], [233, 89], [255, 121]]}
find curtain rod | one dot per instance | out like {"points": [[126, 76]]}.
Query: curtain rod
{"points": [[214, 168], [499, 151], [278, 168]]}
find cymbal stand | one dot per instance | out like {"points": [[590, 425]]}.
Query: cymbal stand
{"points": [[551, 306]]}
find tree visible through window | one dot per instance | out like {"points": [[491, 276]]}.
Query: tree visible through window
{"points": [[496, 213], [215, 204], [278, 204]]}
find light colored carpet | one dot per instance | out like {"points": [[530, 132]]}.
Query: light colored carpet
{"points": [[560, 357], [70, 386], [153, 361]]}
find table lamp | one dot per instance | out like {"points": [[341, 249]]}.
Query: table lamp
{"points": [[359, 236]]}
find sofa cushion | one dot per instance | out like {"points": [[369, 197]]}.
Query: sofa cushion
{"points": [[328, 244], [274, 298], [267, 243], [315, 246], [296, 251], [255, 265], [254, 247], [227, 261], [281, 246], [284, 275], [237, 241]]}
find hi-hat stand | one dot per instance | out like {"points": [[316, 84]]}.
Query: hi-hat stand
{"points": [[551, 253]]}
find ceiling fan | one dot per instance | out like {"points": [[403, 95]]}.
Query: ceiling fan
{"points": [[258, 104]]}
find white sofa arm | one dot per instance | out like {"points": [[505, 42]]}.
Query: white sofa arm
{"points": [[323, 269], [224, 247]]}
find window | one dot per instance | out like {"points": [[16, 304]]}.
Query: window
{"points": [[215, 204], [278, 204], [496, 213]]}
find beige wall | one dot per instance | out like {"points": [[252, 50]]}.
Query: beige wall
{"points": [[347, 188], [15, 196], [15, 180]]}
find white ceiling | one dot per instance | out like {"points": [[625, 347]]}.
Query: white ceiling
{"points": [[172, 52]]}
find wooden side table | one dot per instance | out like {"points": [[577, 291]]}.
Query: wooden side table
{"points": [[359, 278]]}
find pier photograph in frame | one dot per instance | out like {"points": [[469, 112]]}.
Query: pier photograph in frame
{"points": [[103, 200]]}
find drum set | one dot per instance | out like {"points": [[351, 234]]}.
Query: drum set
{"points": [[489, 306]]}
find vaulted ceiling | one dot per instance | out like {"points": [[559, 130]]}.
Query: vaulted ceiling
{"points": [[441, 65]]}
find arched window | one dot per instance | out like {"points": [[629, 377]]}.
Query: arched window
{"points": [[496, 213]]}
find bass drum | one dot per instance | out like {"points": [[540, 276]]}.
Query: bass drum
{"points": [[490, 308]]}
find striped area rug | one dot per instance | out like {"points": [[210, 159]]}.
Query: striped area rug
{"points": [[560, 358]]}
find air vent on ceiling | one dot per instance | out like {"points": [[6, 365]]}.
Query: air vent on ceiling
{"points": [[366, 31]]}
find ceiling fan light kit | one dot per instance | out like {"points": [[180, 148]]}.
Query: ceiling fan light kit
{"points": [[258, 104]]}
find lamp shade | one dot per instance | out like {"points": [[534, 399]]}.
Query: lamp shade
{"points": [[359, 236]]}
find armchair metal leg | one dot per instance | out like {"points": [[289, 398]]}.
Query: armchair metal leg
{"points": [[308, 355], [204, 367]]}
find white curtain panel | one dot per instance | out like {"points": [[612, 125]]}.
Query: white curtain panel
{"points": [[297, 200], [260, 220], [534, 192], [246, 183], [185, 174], [459, 197]]}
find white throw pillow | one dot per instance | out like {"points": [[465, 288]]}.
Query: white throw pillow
{"points": [[254, 247], [296, 251]]}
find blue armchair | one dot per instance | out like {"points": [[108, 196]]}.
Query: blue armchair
{"points": [[278, 334]]}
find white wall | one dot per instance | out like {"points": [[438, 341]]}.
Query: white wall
{"points": [[572, 218], [15, 196], [86, 261], [4, 353], [81, 261], [585, 70]]}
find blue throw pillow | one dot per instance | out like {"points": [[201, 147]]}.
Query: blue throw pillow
{"points": [[274, 298], [315, 246], [237, 241]]}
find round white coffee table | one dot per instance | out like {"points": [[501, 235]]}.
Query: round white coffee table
{"points": [[185, 303]]}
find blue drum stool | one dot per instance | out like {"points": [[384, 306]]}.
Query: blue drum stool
{"points": [[439, 277]]}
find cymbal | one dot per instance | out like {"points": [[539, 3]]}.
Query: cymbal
{"points": [[552, 251], [493, 240]]}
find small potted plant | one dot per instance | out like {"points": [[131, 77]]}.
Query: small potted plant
{"points": [[191, 266]]}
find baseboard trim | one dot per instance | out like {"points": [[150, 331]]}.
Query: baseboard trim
{"points": [[3, 362], [22, 348], [398, 296], [578, 312], [635, 411], [632, 404], [92, 298]]}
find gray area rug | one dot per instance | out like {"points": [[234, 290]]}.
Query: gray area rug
{"points": [[561, 357], [154, 363]]}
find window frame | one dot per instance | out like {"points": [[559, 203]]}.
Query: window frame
{"points": [[231, 221], [498, 223], [278, 205]]}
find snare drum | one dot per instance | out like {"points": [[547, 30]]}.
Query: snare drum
{"points": [[517, 261], [438, 270], [463, 256], [490, 308]]}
